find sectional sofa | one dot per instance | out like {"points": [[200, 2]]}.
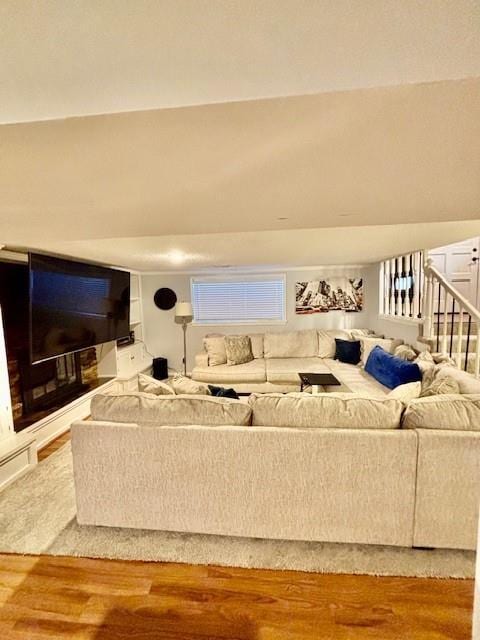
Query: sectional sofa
{"points": [[337, 467], [279, 357]]}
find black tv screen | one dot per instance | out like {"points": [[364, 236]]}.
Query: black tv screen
{"points": [[74, 305]]}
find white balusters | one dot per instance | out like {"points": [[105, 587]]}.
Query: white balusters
{"points": [[453, 306], [445, 318], [459, 339]]}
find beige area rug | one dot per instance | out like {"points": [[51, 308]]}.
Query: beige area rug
{"points": [[37, 516]]}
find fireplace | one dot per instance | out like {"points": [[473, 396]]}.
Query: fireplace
{"points": [[40, 389]]}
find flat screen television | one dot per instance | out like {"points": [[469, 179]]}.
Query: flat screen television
{"points": [[74, 305]]}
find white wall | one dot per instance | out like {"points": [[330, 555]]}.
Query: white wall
{"points": [[390, 327], [164, 338]]}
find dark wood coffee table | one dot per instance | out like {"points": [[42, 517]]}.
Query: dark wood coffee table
{"points": [[316, 380]]}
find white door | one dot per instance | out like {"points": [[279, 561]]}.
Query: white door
{"points": [[459, 264]]}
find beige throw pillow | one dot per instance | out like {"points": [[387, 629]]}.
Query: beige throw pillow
{"points": [[215, 348], [184, 385], [425, 361], [147, 384], [256, 340], [239, 349], [388, 344], [406, 392]]}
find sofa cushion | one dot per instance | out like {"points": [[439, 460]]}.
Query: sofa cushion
{"points": [[146, 409], [353, 379], [368, 344], [256, 340], [215, 347], [326, 341], [286, 370], [291, 344], [226, 375], [325, 410], [347, 351], [239, 350], [390, 370], [450, 412]]}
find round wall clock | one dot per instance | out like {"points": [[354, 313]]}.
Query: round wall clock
{"points": [[165, 298]]}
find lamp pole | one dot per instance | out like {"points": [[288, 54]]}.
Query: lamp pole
{"points": [[184, 327]]}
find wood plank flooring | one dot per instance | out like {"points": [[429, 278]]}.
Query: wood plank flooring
{"points": [[79, 598]]}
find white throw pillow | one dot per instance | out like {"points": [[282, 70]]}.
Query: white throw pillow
{"points": [[388, 344], [406, 392], [215, 348], [147, 384], [183, 385]]}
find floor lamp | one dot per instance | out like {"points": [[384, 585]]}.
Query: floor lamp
{"points": [[184, 316]]}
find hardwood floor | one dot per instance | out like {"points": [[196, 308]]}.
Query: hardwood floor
{"points": [[79, 598], [53, 446]]}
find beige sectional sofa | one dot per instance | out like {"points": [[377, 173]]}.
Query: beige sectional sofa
{"points": [[280, 357], [333, 467]]}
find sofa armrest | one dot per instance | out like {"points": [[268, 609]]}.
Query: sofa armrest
{"points": [[201, 359]]}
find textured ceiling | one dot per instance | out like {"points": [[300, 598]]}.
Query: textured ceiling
{"points": [[63, 58], [267, 249]]}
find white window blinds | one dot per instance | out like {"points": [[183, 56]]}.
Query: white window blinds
{"points": [[239, 300]]}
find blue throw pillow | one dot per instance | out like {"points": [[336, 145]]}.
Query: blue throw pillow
{"points": [[347, 351], [390, 370]]}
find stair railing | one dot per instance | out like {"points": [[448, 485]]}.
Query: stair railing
{"points": [[446, 312]]}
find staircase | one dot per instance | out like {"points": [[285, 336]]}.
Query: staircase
{"points": [[451, 324]]}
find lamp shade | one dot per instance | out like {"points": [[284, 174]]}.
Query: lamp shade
{"points": [[184, 311]]}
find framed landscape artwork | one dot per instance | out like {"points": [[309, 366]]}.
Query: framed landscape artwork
{"points": [[334, 294]]}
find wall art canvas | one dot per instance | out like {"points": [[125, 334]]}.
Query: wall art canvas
{"points": [[334, 294]]}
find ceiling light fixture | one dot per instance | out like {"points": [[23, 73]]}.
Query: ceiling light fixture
{"points": [[176, 257]]}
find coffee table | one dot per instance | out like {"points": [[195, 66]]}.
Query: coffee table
{"points": [[317, 380]]}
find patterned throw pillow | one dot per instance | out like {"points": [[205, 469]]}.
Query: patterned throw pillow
{"points": [[434, 383], [239, 349], [183, 385], [405, 352], [147, 384]]}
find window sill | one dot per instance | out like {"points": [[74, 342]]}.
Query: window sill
{"points": [[226, 323]]}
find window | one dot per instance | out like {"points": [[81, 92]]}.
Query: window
{"points": [[239, 300]]}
